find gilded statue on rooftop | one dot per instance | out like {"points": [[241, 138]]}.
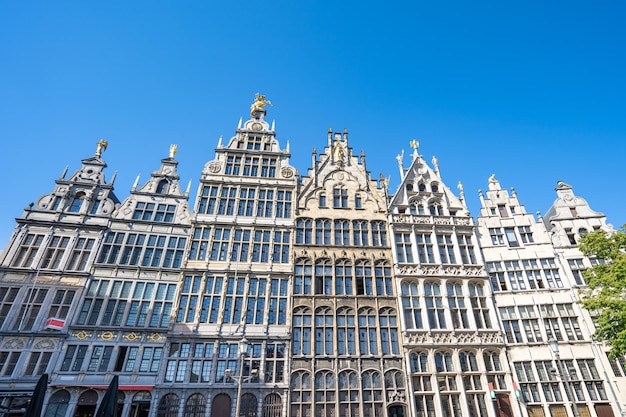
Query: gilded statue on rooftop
{"points": [[259, 103], [102, 145], [173, 150]]}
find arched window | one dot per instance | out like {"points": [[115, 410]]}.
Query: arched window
{"points": [[363, 277], [324, 331], [434, 305], [57, 405], [304, 231], [394, 380], [360, 232], [343, 277], [421, 186], [322, 200], [195, 406], [411, 305], [303, 274], [325, 394], [389, 331], [342, 232], [480, 309], [435, 209], [346, 331], [434, 187], [323, 277], [419, 362], [492, 361], [443, 362], [248, 405], [456, 301], [77, 202], [168, 406], [301, 331], [300, 394], [272, 406], [468, 362], [382, 272], [372, 386], [367, 331], [349, 394], [163, 187], [322, 232]]}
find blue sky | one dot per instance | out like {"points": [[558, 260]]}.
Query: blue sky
{"points": [[531, 91]]}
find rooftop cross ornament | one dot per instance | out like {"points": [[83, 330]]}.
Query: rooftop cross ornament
{"points": [[102, 145], [173, 150], [259, 103]]}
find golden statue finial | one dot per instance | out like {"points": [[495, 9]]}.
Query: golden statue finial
{"points": [[102, 145], [173, 150], [259, 103], [414, 144], [492, 179]]}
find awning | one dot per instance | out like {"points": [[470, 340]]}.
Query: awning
{"points": [[120, 387]]}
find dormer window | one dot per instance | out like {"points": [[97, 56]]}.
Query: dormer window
{"points": [[163, 187], [358, 203], [323, 200], [409, 188], [573, 211], [502, 211], [77, 203], [435, 188], [421, 187], [340, 198]]}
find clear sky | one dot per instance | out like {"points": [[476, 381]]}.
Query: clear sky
{"points": [[531, 91]]}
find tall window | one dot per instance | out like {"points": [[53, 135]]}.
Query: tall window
{"points": [[382, 271], [342, 232], [372, 386], [199, 244], [346, 331], [324, 331], [208, 199], [227, 201], [511, 237], [29, 311], [265, 205], [467, 249], [434, 305], [323, 277], [28, 250], [247, 197], [379, 233], [349, 394], [211, 299], [497, 237], [219, 246], [256, 300], [301, 331], [261, 246], [283, 204], [277, 313], [526, 233], [303, 277], [411, 305], [343, 277], [360, 232], [55, 252], [188, 299], [424, 248], [325, 394], [403, 247], [456, 302], [363, 277], [480, 308], [80, 254], [389, 331], [300, 391], [304, 231], [322, 232], [367, 331], [340, 198], [281, 247], [446, 249]]}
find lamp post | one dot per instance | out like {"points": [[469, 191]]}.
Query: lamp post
{"points": [[243, 351], [554, 346]]}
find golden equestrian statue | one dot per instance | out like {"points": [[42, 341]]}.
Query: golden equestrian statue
{"points": [[102, 145], [259, 103]]}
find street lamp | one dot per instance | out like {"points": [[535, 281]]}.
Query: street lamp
{"points": [[554, 346], [243, 351]]}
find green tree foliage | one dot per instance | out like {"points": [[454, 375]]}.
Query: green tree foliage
{"points": [[606, 296]]}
